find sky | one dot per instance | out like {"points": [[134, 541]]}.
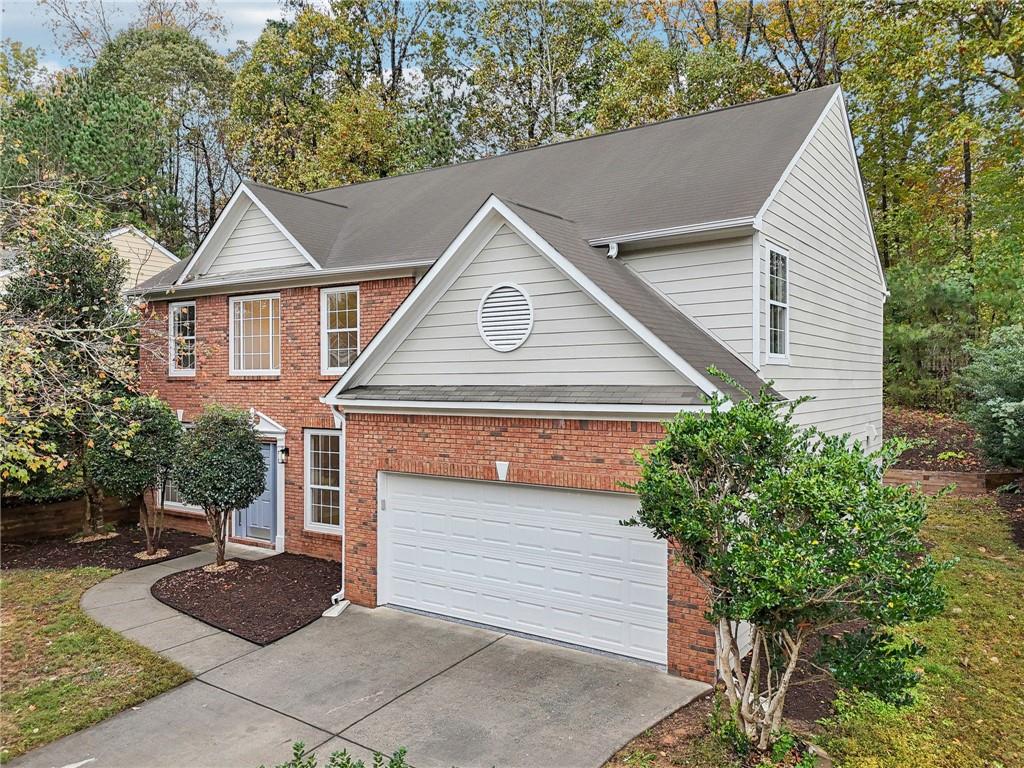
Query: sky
{"points": [[26, 22]]}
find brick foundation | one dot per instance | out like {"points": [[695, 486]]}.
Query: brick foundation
{"points": [[591, 455], [966, 483]]}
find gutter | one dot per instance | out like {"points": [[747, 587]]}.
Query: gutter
{"points": [[746, 222], [338, 601]]}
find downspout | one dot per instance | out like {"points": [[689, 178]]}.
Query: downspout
{"points": [[613, 250], [338, 601]]}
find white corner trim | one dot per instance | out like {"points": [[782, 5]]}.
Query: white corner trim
{"points": [[757, 248], [686, 229], [373, 357], [139, 233], [759, 217]]}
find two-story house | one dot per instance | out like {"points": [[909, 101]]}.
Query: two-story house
{"points": [[451, 368]]}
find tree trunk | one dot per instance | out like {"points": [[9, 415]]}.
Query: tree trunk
{"points": [[217, 521], [144, 524]]}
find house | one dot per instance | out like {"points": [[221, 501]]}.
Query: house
{"points": [[145, 257], [451, 368]]}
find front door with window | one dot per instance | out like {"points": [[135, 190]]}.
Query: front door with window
{"points": [[258, 520]]}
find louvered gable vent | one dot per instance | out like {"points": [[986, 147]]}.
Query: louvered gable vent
{"points": [[505, 317]]}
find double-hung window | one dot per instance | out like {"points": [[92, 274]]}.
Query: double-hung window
{"points": [[256, 335], [171, 499], [325, 468], [778, 304], [181, 333], [339, 328]]}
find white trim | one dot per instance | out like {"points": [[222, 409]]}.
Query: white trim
{"points": [[307, 523], [609, 411], [759, 217], [268, 427], [326, 370], [139, 233], [204, 246], [386, 340], [480, 316], [172, 351], [232, 301], [757, 244], [774, 358], [685, 229]]}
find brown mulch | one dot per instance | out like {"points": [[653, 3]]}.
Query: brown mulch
{"points": [[260, 601], [1013, 505], [943, 442], [117, 553]]}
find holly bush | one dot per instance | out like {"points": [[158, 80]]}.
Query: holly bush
{"points": [[994, 384]]}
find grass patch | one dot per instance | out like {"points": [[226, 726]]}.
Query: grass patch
{"points": [[61, 670], [970, 703]]}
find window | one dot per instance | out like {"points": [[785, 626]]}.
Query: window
{"points": [[181, 333], [171, 498], [256, 334], [778, 304], [339, 328], [325, 467]]}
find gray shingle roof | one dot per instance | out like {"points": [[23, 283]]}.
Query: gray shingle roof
{"points": [[712, 166], [583, 394]]}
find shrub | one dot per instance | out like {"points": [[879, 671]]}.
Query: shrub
{"points": [[219, 467], [133, 454], [341, 759], [793, 533], [994, 384]]}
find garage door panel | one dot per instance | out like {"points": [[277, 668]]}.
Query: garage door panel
{"points": [[543, 561]]}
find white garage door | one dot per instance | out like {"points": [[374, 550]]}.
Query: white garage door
{"points": [[544, 561]]}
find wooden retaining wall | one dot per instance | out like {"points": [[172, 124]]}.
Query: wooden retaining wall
{"points": [[967, 483], [38, 521]]}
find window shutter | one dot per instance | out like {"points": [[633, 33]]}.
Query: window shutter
{"points": [[505, 317]]}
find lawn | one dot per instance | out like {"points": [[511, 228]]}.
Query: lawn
{"points": [[61, 670], [970, 704]]}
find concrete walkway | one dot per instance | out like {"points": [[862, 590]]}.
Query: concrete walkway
{"points": [[368, 680]]}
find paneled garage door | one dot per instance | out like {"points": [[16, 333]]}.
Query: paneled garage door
{"points": [[545, 561]]}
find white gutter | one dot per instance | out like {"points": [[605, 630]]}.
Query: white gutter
{"points": [[338, 601], [611, 411], [688, 229]]}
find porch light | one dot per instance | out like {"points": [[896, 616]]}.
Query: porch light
{"points": [[282, 455]]}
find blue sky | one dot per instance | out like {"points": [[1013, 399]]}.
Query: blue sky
{"points": [[26, 22]]}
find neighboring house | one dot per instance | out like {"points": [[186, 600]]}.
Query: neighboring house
{"points": [[145, 256], [451, 368]]}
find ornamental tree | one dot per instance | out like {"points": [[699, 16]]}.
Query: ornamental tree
{"points": [[792, 533], [135, 454], [220, 468], [994, 382]]}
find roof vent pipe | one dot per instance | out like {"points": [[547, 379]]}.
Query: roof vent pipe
{"points": [[613, 250]]}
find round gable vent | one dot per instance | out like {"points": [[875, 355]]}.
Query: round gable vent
{"points": [[505, 317]]}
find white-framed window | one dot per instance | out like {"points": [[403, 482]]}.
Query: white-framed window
{"points": [[171, 499], [181, 335], [256, 334], [778, 304], [339, 328], [325, 472]]}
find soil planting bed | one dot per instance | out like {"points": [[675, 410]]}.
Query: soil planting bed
{"points": [[947, 444], [260, 601], [117, 553]]}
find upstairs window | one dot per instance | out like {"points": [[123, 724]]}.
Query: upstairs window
{"points": [[778, 304], [339, 328], [181, 333], [256, 335]]}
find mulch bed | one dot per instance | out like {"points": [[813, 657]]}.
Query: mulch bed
{"points": [[117, 553], [1013, 505], [260, 601], [944, 443]]}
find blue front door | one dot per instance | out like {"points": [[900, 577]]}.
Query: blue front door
{"points": [[259, 519]]}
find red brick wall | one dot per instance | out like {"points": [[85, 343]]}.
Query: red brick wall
{"points": [[595, 455], [291, 399]]}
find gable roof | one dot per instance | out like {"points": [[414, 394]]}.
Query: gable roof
{"points": [[660, 325], [688, 172], [131, 228]]}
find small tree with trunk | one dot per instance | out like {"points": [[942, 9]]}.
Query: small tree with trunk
{"points": [[220, 468], [133, 455], [793, 534]]}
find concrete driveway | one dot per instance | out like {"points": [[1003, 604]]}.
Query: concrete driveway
{"points": [[368, 681]]}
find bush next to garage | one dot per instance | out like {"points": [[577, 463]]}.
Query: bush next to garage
{"points": [[793, 535], [220, 468]]}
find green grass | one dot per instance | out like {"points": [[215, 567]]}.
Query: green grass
{"points": [[969, 708], [61, 670]]}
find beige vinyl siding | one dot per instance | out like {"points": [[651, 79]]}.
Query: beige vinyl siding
{"points": [[574, 340], [144, 259], [710, 282], [835, 292], [255, 243]]}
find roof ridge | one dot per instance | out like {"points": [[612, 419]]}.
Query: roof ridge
{"points": [[304, 195], [570, 140]]}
